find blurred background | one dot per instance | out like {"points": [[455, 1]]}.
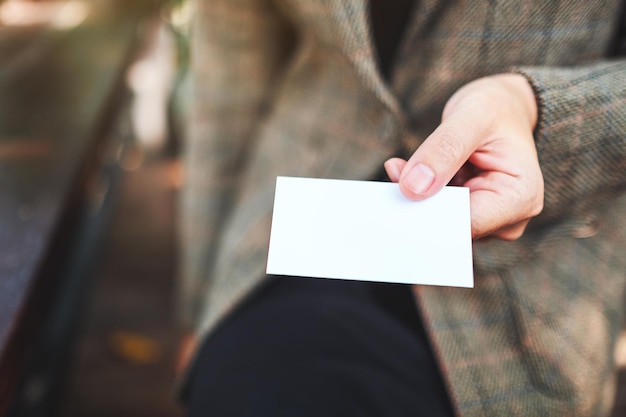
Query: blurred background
{"points": [[92, 102], [93, 97]]}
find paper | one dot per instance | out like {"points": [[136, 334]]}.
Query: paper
{"points": [[362, 230]]}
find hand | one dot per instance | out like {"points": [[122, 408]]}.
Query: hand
{"points": [[484, 142]]}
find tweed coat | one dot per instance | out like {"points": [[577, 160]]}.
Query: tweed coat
{"points": [[291, 87]]}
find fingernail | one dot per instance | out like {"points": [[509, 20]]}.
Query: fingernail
{"points": [[419, 179]]}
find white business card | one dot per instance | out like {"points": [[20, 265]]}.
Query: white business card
{"points": [[364, 230]]}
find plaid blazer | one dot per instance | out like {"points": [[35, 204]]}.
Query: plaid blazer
{"points": [[291, 87]]}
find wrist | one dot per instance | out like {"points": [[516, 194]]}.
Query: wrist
{"points": [[521, 88]]}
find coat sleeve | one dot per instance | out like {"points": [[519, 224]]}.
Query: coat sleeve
{"points": [[237, 47], [580, 136]]}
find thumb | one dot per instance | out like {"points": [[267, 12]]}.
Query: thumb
{"points": [[438, 159]]}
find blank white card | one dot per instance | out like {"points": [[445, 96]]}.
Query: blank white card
{"points": [[364, 230]]}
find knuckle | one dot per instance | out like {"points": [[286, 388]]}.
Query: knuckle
{"points": [[529, 195], [536, 208], [451, 147], [535, 200], [511, 234]]}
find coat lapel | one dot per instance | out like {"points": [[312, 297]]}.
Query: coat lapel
{"points": [[354, 38]]}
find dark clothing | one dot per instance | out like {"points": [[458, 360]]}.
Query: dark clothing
{"points": [[389, 21], [315, 347]]}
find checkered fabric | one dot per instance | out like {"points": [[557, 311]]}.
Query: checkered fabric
{"points": [[291, 87]]}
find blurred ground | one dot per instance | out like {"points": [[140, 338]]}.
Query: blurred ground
{"points": [[124, 359]]}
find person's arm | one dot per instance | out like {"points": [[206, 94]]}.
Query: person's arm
{"points": [[579, 142], [237, 49], [581, 134]]}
